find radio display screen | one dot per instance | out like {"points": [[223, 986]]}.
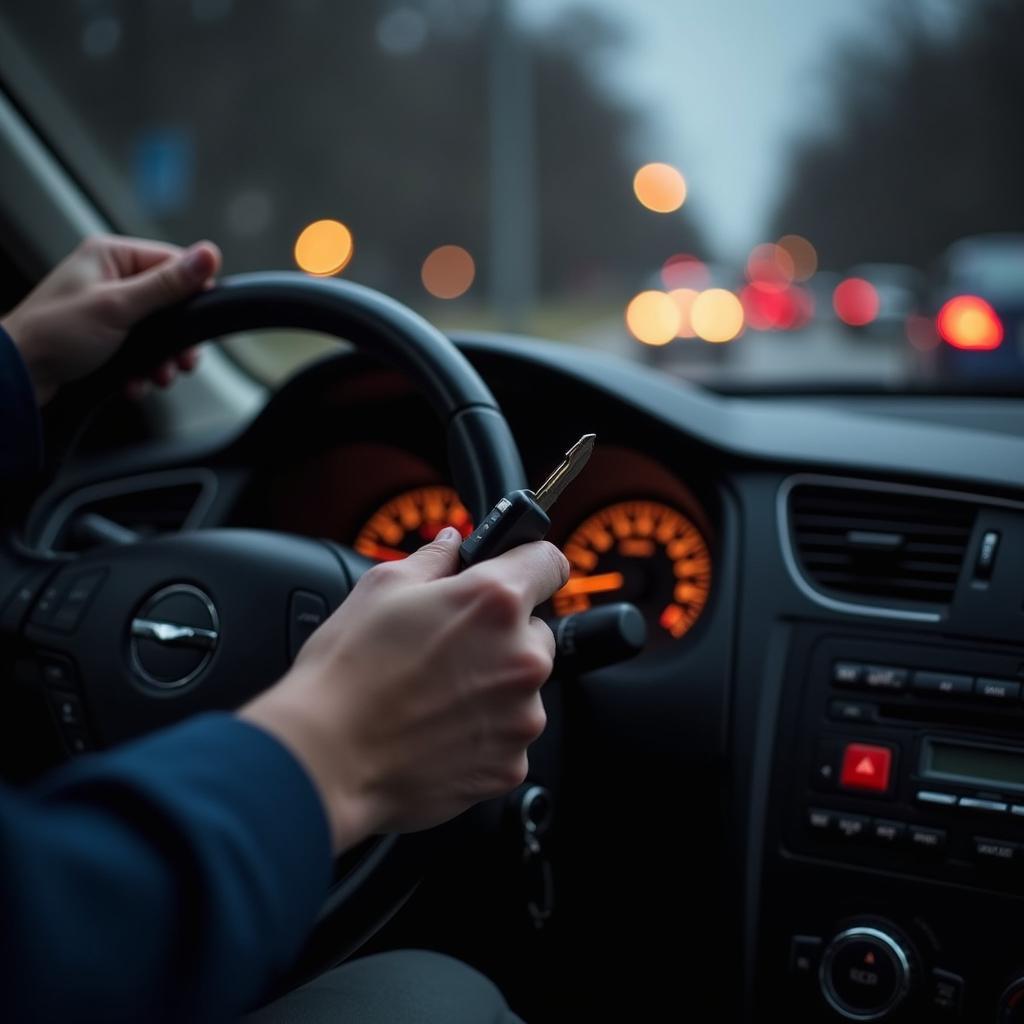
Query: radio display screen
{"points": [[985, 765]]}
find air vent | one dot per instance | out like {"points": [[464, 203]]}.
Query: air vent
{"points": [[147, 506], [893, 545]]}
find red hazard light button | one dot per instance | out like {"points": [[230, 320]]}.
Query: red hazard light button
{"points": [[866, 767]]}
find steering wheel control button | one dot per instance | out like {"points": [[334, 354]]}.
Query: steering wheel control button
{"points": [[173, 637], [929, 842], [58, 672], [885, 678], [866, 767], [946, 991], [847, 673], [804, 955], [307, 612], [19, 603], [865, 974], [68, 710], [46, 606], [1002, 691], [80, 589], [942, 684]]}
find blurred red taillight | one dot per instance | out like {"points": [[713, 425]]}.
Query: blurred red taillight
{"points": [[969, 322]]}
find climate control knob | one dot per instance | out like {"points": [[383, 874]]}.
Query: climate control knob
{"points": [[865, 973]]}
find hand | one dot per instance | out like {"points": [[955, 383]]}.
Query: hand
{"points": [[79, 314], [420, 695]]}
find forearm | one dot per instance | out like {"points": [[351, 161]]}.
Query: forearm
{"points": [[199, 857]]}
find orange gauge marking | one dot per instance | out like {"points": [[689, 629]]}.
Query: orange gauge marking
{"points": [[409, 521], [640, 551]]}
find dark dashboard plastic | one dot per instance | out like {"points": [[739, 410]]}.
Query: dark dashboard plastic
{"points": [[675, 774]]}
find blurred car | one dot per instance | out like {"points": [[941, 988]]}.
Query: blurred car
{"points": [[978, 304]]}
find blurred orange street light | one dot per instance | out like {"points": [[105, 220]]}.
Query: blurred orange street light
{"points": [[660, 187], [684, 299], [324, 248], [448, 272], [717, 315], [653, 318], [969, 322]]}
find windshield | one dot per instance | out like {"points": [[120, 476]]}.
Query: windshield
{"points": [[761, 191]]}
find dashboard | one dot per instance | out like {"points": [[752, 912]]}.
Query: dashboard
{"points": [[806, 796]]}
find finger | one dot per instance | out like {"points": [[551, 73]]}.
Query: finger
{"points": [[537, 570], [173, 279], [542, 631], [133, 256], [164, 374], [435, 560], [187, 360]]}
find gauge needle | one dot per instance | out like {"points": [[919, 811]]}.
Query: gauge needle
{"points": [[593, 584]]}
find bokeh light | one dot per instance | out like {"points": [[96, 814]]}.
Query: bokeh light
{"points": [[969, 322], [653, 318], [324, 248], [717, 315], [448, 272], [684, 271], [684, 299], [855, 301], [770, 266], [922, 332], [803, 255], [660, 187]]}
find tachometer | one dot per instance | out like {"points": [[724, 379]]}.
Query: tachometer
{"points": [[644, 552], [410, 520]]}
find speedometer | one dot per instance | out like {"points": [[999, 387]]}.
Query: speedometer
{"points": [[644, 552], [409, 520]]}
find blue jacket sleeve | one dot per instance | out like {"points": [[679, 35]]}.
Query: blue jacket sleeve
{"points": [[169, 880], [21, 443]]}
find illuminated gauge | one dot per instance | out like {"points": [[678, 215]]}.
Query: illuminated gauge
{"points": [[643, 552], [410, 520]]}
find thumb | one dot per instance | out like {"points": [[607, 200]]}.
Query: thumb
{"points": [[435, 560], [174, 279]]}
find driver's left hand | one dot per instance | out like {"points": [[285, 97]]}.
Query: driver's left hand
{"points": [[76, 318]]}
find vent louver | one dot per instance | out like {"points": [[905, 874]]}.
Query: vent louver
{"points": [[883, 544]]}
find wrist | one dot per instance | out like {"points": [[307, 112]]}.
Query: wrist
{"points": [[292, 713], [33, 354]]}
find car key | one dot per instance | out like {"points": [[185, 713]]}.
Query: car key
{"points": [[522, 516]]}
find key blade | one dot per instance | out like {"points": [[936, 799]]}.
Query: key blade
{"points": [[567, 471]]}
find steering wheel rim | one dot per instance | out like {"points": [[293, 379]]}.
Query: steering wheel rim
{"points": [[483, 458]]}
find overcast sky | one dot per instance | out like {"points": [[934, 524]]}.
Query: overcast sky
{"points": [[727, 84]]}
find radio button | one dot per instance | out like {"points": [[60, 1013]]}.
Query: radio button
{"points": [[883, 677], [866, 767], [927, 796], [826, 765], [852, 711], [887, 833], [852, 827], [927, 840], [1002, 690], [996, 851], [970, 803], [847, 673], [946, 684]]}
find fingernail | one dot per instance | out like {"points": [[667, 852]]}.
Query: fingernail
{"points": [[197, 262], [448, 534]]}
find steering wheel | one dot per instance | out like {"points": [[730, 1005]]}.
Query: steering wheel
{"points": [[145, 634]]}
